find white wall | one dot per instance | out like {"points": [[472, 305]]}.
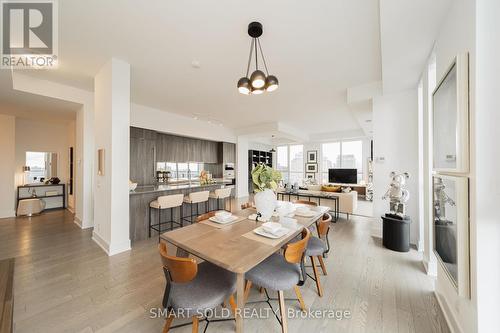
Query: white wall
{"points": [[396, 139], [487, 165], [7, 166], [457, 35], [169, 122], [42, 136]]}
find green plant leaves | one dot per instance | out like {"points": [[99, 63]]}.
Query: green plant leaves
{"points": [[265, 177]]}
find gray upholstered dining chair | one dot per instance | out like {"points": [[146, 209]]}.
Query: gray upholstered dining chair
{"points": [[317, 247], [280, 273], [193, 288]]}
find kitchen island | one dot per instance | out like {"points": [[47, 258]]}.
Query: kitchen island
{"points": [[141, 197]]}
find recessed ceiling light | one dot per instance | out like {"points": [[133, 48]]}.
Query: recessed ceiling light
{"points": [[368, 120], [195, 64]]}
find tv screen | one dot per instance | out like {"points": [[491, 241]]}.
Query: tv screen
{"points": [[344, 176]]}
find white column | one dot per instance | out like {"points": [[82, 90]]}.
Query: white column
{"points": [[487, 153], [241, 167], [112, 133]]}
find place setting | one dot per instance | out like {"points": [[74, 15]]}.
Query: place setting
{"points": [[275, 226], [222, 219]]}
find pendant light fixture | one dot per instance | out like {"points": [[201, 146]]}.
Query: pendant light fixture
{"points": [[258, 81]]}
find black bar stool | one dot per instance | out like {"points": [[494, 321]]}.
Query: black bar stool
{"points": [[165, 202], [222, 194], [194, 199]]}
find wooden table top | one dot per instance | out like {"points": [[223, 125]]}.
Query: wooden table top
{"points": [[227, 247]]}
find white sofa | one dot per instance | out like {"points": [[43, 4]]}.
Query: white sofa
{"points": [[348, 202]]}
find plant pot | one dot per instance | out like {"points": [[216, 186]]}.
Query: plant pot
{"points": [[265, 202]]}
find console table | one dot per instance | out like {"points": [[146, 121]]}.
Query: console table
{"points": [[54, 195]]}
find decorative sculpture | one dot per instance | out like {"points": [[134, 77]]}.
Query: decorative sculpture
{"points": [[397, 193]]}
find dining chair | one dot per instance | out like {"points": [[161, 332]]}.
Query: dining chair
{"points": [[317, 247], [279, 273], [305, 202], [193, 289]]}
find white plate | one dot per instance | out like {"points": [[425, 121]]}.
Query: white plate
{"points": [[282, 232], [232, 219], [309, 213]]}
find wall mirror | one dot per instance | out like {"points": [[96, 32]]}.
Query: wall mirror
{"points": [[40, 166], [451, 228], [451, 119]]}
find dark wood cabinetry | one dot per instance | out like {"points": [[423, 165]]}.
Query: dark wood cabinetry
{"points": [[228, 152]]}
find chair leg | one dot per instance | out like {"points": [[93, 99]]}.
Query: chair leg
{"points": [[159, 224], [181, 213], [168, 322], [196, 323], [171, 219], [299, 297], [284, 323], [247, 290], [149, 223], [261, 290], [316, 277], [232, 303], [322, 263]]}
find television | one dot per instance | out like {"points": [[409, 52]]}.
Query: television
{"points": [[344, 176]]}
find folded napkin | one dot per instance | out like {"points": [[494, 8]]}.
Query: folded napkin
{"points": [[272, 227]]}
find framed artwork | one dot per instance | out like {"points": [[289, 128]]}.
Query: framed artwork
{"points": [[451, 229], [310, 175], [100, 162], [451, 118], [312, 167], [312, 156]]}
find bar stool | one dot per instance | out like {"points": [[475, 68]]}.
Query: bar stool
{"points": [[165, 202], [195, 198], [222, 194]]}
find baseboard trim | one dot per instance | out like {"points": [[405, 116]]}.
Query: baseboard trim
{"points": [[430, 267], [113, 249], [448, 315], [78, 222]]}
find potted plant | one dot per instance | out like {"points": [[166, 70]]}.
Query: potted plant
{"points": [[265, 181]]}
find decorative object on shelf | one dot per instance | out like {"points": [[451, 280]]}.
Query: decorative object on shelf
{"points": [[100, 162], [398, 195], [312, 167], [312, 156], [265, 181], [53, 180], [451, 118], [451, 229], [131, 186], [258, 81], [346, 189]]}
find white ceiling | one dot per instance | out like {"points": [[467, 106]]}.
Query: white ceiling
{"points": [[317, 49], [30, 106]]}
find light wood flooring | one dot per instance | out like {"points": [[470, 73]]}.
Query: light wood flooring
{"points": [[65, 283]]}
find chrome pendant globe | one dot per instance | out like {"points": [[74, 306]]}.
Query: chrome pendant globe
{"points": [[244, 86], [271, 83], [259, 81]]}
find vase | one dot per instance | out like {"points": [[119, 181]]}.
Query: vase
{"points": [[265, 202]]}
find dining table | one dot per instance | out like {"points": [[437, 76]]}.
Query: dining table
{"points": [[235, 247]]}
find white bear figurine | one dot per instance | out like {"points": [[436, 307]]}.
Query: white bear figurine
{"points": [[397, 193]]}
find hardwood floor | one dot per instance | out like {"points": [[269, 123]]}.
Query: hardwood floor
{"points": [[64, 282]]}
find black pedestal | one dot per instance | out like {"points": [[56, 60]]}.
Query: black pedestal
{"points": [[396, 233]]}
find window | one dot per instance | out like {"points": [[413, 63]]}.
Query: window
{"points": [[282, 161], [290, 161], [181, 171], [342, 155], [331, 158], [296, 171]]}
